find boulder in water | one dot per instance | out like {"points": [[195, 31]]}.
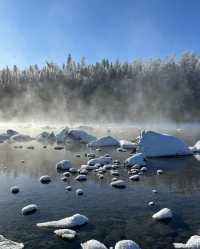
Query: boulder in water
{"points": [[104, 142], [153, 144], [192, 243], [69, 222], [32, 208], [66, 233], [64, 165], [126, 244], [163, 214], [93, 244]]}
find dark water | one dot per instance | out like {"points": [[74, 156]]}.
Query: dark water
{"points": [[114, 214]]}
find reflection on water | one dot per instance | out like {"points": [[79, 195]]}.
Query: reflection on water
{"points": [[114, 214]]}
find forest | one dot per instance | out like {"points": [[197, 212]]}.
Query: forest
{"points": [[151, 90]]}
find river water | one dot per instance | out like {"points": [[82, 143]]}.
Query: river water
{"points": [[114, 214]]}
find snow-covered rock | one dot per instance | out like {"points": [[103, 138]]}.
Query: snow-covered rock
{"points": [[32, 208], [21, 138], [153, 144], [9, 244], [45, 179], [192, 243], [93, 244], [46, 136], [163, 214], [69, 222], [62, 135], [79, 191], [65, 233], [137, 158], [80, 135], [102, 160], [134, 178], [64, 165], [126, 244], [104, 142], [125, 144], [14, 189], [196, 147], [118, 184], [81, 178]]}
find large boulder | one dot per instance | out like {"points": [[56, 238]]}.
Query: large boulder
{"points": [[104, 142], [80, 135], [153, 144]]}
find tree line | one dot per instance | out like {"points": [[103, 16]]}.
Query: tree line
{"points": [[113, 91]]}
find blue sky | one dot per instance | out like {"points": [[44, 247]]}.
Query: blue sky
{"points": [[33, 31]]}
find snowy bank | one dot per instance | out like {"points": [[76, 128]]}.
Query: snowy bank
{"points": [[153, 144]]}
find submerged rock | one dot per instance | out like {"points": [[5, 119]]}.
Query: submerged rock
{"points": [[104, 142], [192, 243], [9, 244], [137, 159], [153, 144], [69, 222], [64, 165], [126, 244], [32, 208], [118, 184], [65, 233], [93, 244], [163, 214]]}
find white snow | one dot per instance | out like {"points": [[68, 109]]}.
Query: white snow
{"points": [[93, 244], [68, 222], [153, 144], [104, 142], [125, 144], [164, 213], [118, 184], [137, 158], [65, 233], [29, 209], [192, 243], [80, 135], [126, 244], [9, 244], [64, 165], [102, 160]]}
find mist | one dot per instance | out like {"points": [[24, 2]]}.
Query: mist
{"points": [[156, 90]]}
